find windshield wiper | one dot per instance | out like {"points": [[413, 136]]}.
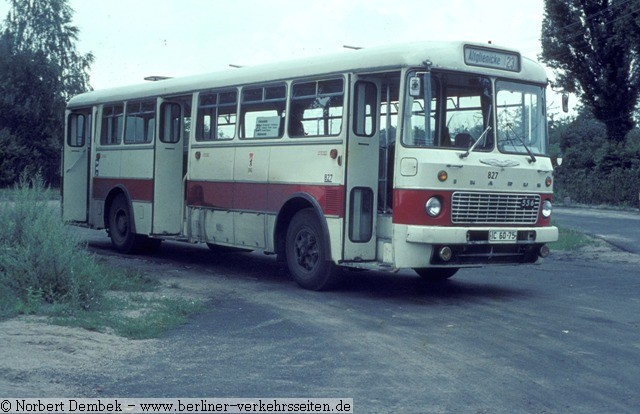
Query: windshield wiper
{"points": [[480, 138], [533, 158]]}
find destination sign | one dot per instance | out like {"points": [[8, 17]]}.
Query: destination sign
{"points": [[490, 58]]}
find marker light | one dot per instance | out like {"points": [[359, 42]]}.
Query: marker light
{"points": [[548, 181], [442, 176], [433, 206], [546, 209]]}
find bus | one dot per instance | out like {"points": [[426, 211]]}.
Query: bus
{"points": [[431, 156]]}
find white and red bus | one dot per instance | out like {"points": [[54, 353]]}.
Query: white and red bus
{"points": [[428, 156]]}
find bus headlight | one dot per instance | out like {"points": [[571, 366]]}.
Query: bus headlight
{"points": [[433, 207], [546, 209]]}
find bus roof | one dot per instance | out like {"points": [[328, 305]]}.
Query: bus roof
{"points": [[443, 55]]}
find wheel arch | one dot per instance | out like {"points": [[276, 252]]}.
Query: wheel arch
{"points": [[113, 193], [295, 203]]}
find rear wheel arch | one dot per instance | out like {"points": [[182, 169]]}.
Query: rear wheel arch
{"points": [[116, 191]]}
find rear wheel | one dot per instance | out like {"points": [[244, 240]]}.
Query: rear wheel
{"points": [[121, 227], [307, 257], [435, 274]]}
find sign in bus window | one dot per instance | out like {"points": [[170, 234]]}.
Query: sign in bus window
{"points": [[316, 109], [267, 127]]}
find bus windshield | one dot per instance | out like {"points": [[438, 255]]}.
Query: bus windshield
{"points": [[460, 113], [521, 118]]}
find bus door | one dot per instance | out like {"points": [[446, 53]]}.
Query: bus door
{"points": [[75, 169], [361, 178], [170, 165]]}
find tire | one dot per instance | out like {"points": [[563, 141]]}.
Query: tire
{"points": [[307, 257], [121, 232], [436, 274]]}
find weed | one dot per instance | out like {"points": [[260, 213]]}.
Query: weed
{"points": [[571, 239]]}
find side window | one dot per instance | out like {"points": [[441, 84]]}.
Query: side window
{"points": [[361, 213], [217, 116], [365, 108], [79, 129], [316, 108], [262, 111], [171, 123], [111, 130], [140, 125]]}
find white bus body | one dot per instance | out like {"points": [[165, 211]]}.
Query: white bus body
{"points": [[326, 162]]}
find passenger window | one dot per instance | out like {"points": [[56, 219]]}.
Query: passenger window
{"points": [[262, 112], [365, 109], [316, 108], [171, 123], [79, 129], [111, 124], [217, 116], [141, 122]]}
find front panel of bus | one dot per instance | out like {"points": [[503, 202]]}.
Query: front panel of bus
{"points": [[473, 181]]}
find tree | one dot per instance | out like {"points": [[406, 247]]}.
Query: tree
{"points": [[45, 26], [31, 112], [40, 69], [594, 47]]}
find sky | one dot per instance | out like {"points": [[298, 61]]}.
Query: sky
{"points": [[132, 39]]}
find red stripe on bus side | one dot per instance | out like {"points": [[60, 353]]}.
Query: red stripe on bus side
{"points": [[139, 189], [261, 196]]}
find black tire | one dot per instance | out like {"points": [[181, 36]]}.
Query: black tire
{"points": [[121, 232], [436, 274], [307, 257]]}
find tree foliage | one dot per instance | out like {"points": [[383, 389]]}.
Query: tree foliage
{"points": [[594, 47], [590, 173], [39, 69], [45, 26]]}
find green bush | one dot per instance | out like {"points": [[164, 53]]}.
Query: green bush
{"points": [[41, 262]]}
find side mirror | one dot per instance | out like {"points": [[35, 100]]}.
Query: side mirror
{"points": [[565, 102], [415, 87]]}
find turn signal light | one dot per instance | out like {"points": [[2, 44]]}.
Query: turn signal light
{"points": [[442, 176]]}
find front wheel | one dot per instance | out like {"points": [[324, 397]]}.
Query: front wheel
{"points": [[436, 274], [307, 257]]}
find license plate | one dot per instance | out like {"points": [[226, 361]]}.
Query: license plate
{"points": [[503, 236]]}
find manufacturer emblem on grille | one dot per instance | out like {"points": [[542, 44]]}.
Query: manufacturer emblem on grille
{"points": [[500, 163]]}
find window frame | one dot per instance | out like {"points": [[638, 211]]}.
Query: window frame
{"points": [[315, 97], [112, 124], [148, 125], [262, 104], [213, 110]]}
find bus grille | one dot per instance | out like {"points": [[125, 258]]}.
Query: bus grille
{"points": [[494, 208]]}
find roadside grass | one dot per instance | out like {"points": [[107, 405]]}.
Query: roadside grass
{"points": [[133, 315], [45, 270], [571, 240]]}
